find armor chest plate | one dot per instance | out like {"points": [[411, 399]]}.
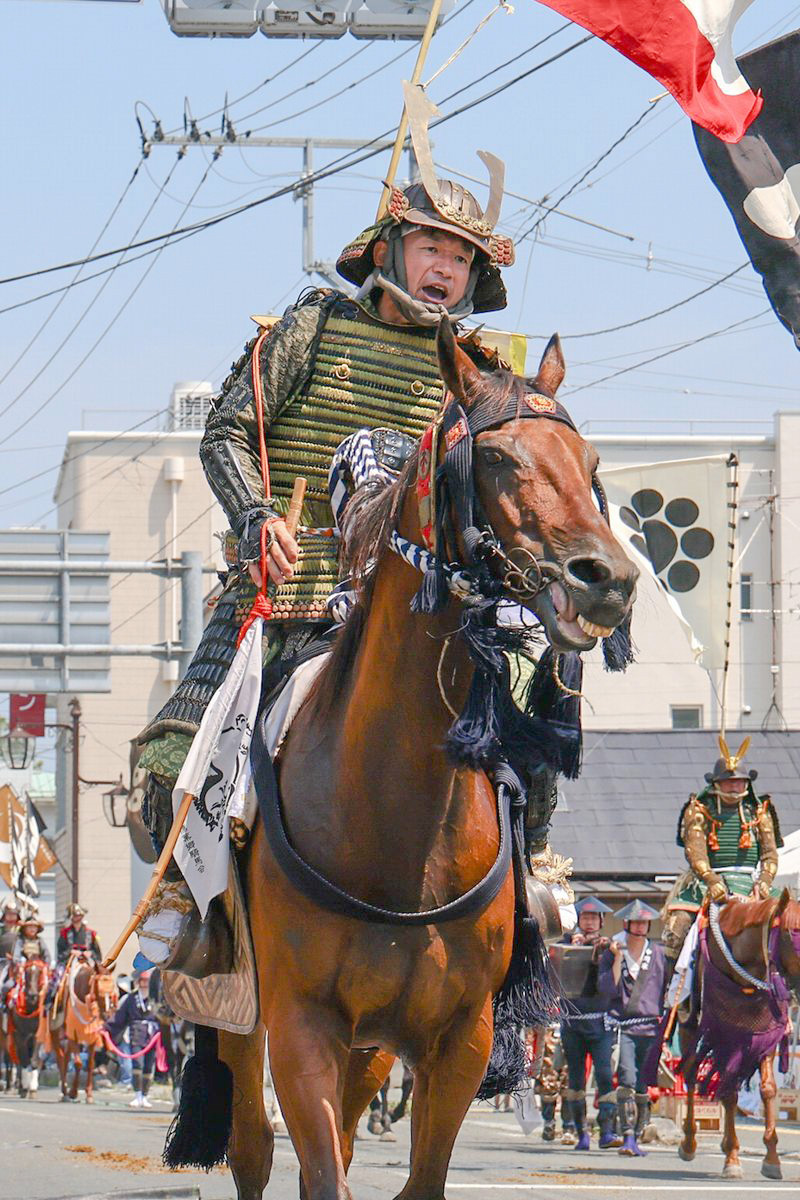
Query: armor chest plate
{"points": [[729, 832], [364, 376]]}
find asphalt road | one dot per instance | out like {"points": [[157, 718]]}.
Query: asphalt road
{"points": [[57, 1151]]}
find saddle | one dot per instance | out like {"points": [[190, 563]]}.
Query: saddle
{"points": [[229, 1001]]}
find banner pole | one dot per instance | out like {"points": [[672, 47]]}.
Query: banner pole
{"points": [[732, 505], [402, 128]]}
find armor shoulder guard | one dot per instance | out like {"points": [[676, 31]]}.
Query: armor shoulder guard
{"points": [[766, 802], [679, 834]]}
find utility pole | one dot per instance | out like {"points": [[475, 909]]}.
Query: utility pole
{"points": [[75, 714], [303, 189]]}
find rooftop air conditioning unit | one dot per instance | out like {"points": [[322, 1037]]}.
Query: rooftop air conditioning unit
{"points": [[190, 405], [305, 18], [394, 18], [212, 18]]}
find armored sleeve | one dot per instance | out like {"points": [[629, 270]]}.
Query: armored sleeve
{"points": [[695, 839], [229, 448], [768, 843]]}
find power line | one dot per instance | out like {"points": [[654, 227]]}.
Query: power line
{"points": [[650, 316], [665, 353], [618, 142], [246, 95], [67, 337], [343, 162], [65, 290], [32, 416]]}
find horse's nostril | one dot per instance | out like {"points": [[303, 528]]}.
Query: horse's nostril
{"points": [[591, 572]]}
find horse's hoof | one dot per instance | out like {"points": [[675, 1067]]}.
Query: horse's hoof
{"points": [[90, 1099], [686, 1155], [771, 1170], [732, 1171], [388, 1136]]}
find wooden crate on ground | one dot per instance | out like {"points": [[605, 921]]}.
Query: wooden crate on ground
{"points": [[707, 1113]]}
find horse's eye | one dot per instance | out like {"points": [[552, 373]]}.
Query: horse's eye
{"points": [[492, 458]]}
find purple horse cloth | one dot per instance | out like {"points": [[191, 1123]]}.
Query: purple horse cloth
{"points": [[738, 1026]]}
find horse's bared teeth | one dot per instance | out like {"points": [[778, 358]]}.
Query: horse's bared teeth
{"points": [[593, 630]]}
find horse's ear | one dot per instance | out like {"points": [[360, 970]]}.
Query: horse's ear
{"points": [[783, 900], [454, 365], [552, 368]]}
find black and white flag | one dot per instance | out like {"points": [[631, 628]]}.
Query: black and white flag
{"points": [[759, 176]]}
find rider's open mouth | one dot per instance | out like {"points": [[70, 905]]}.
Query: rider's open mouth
{"points": [[434, 292], [565, 626]]}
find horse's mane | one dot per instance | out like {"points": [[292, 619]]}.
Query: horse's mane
{"points": [[369, 519], [738, 915]]}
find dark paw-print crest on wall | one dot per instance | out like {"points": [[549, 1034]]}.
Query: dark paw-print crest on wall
{"points": [[665, 532]]}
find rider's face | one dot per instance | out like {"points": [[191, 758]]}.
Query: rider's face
{"points": [[10, 919], [731, 790], [437, 266]]}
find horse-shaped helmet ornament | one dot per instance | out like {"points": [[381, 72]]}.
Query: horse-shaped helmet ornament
{"points": [[370, 800], [748, 963]]}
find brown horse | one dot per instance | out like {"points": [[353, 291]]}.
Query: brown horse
{"points": [[758, 944], [25, 1008], [370, 799], [87, 997]]}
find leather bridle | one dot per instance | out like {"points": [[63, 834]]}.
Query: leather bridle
{"points": [[450, 510]]}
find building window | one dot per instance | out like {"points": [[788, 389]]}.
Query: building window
{"points": [[746, 597], [687, 716]]}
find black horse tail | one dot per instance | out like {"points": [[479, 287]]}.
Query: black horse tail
{"points": [[201, 1130]]}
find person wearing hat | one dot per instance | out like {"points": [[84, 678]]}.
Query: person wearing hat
{"points": [[583, 1033], [731, 837], [137, 1015], [632, 980], [76, 935], [28, 943], [9, 928], [331, 366]]}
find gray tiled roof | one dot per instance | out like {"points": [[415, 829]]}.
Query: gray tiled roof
{"points": [[622, 813]]}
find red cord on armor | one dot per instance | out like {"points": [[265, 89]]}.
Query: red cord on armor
{"points": [[262, 605]]}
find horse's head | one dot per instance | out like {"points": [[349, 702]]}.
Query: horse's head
{"points": [[33, 982], [789, 941], [544, 532], [104, 991]]}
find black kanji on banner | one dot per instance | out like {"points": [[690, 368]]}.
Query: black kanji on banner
{"points": [[759, 177]]}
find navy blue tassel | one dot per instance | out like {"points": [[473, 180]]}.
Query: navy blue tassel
{"points": [[432, 595], [529, 997], [201, 1130], [617, 649]]}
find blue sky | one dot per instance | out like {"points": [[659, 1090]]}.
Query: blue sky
{"points": [[73, 72]]}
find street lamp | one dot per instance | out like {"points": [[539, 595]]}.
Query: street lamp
{"points": [[115, 805], [17, 748]]}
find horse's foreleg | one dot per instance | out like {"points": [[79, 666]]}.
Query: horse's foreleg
{"points": [[730, 1142], [309, 1053], [252, 1139], [90, 1074], [73, 1056], [771, 1166], [444, 1088], [367, 1072], [688, 1147]]}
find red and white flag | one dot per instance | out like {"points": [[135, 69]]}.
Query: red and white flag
{"points": [[686, 45]]}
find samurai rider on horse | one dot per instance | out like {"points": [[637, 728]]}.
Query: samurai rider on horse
{"points": [[386, 882], [331, 366], [731, 837]]}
